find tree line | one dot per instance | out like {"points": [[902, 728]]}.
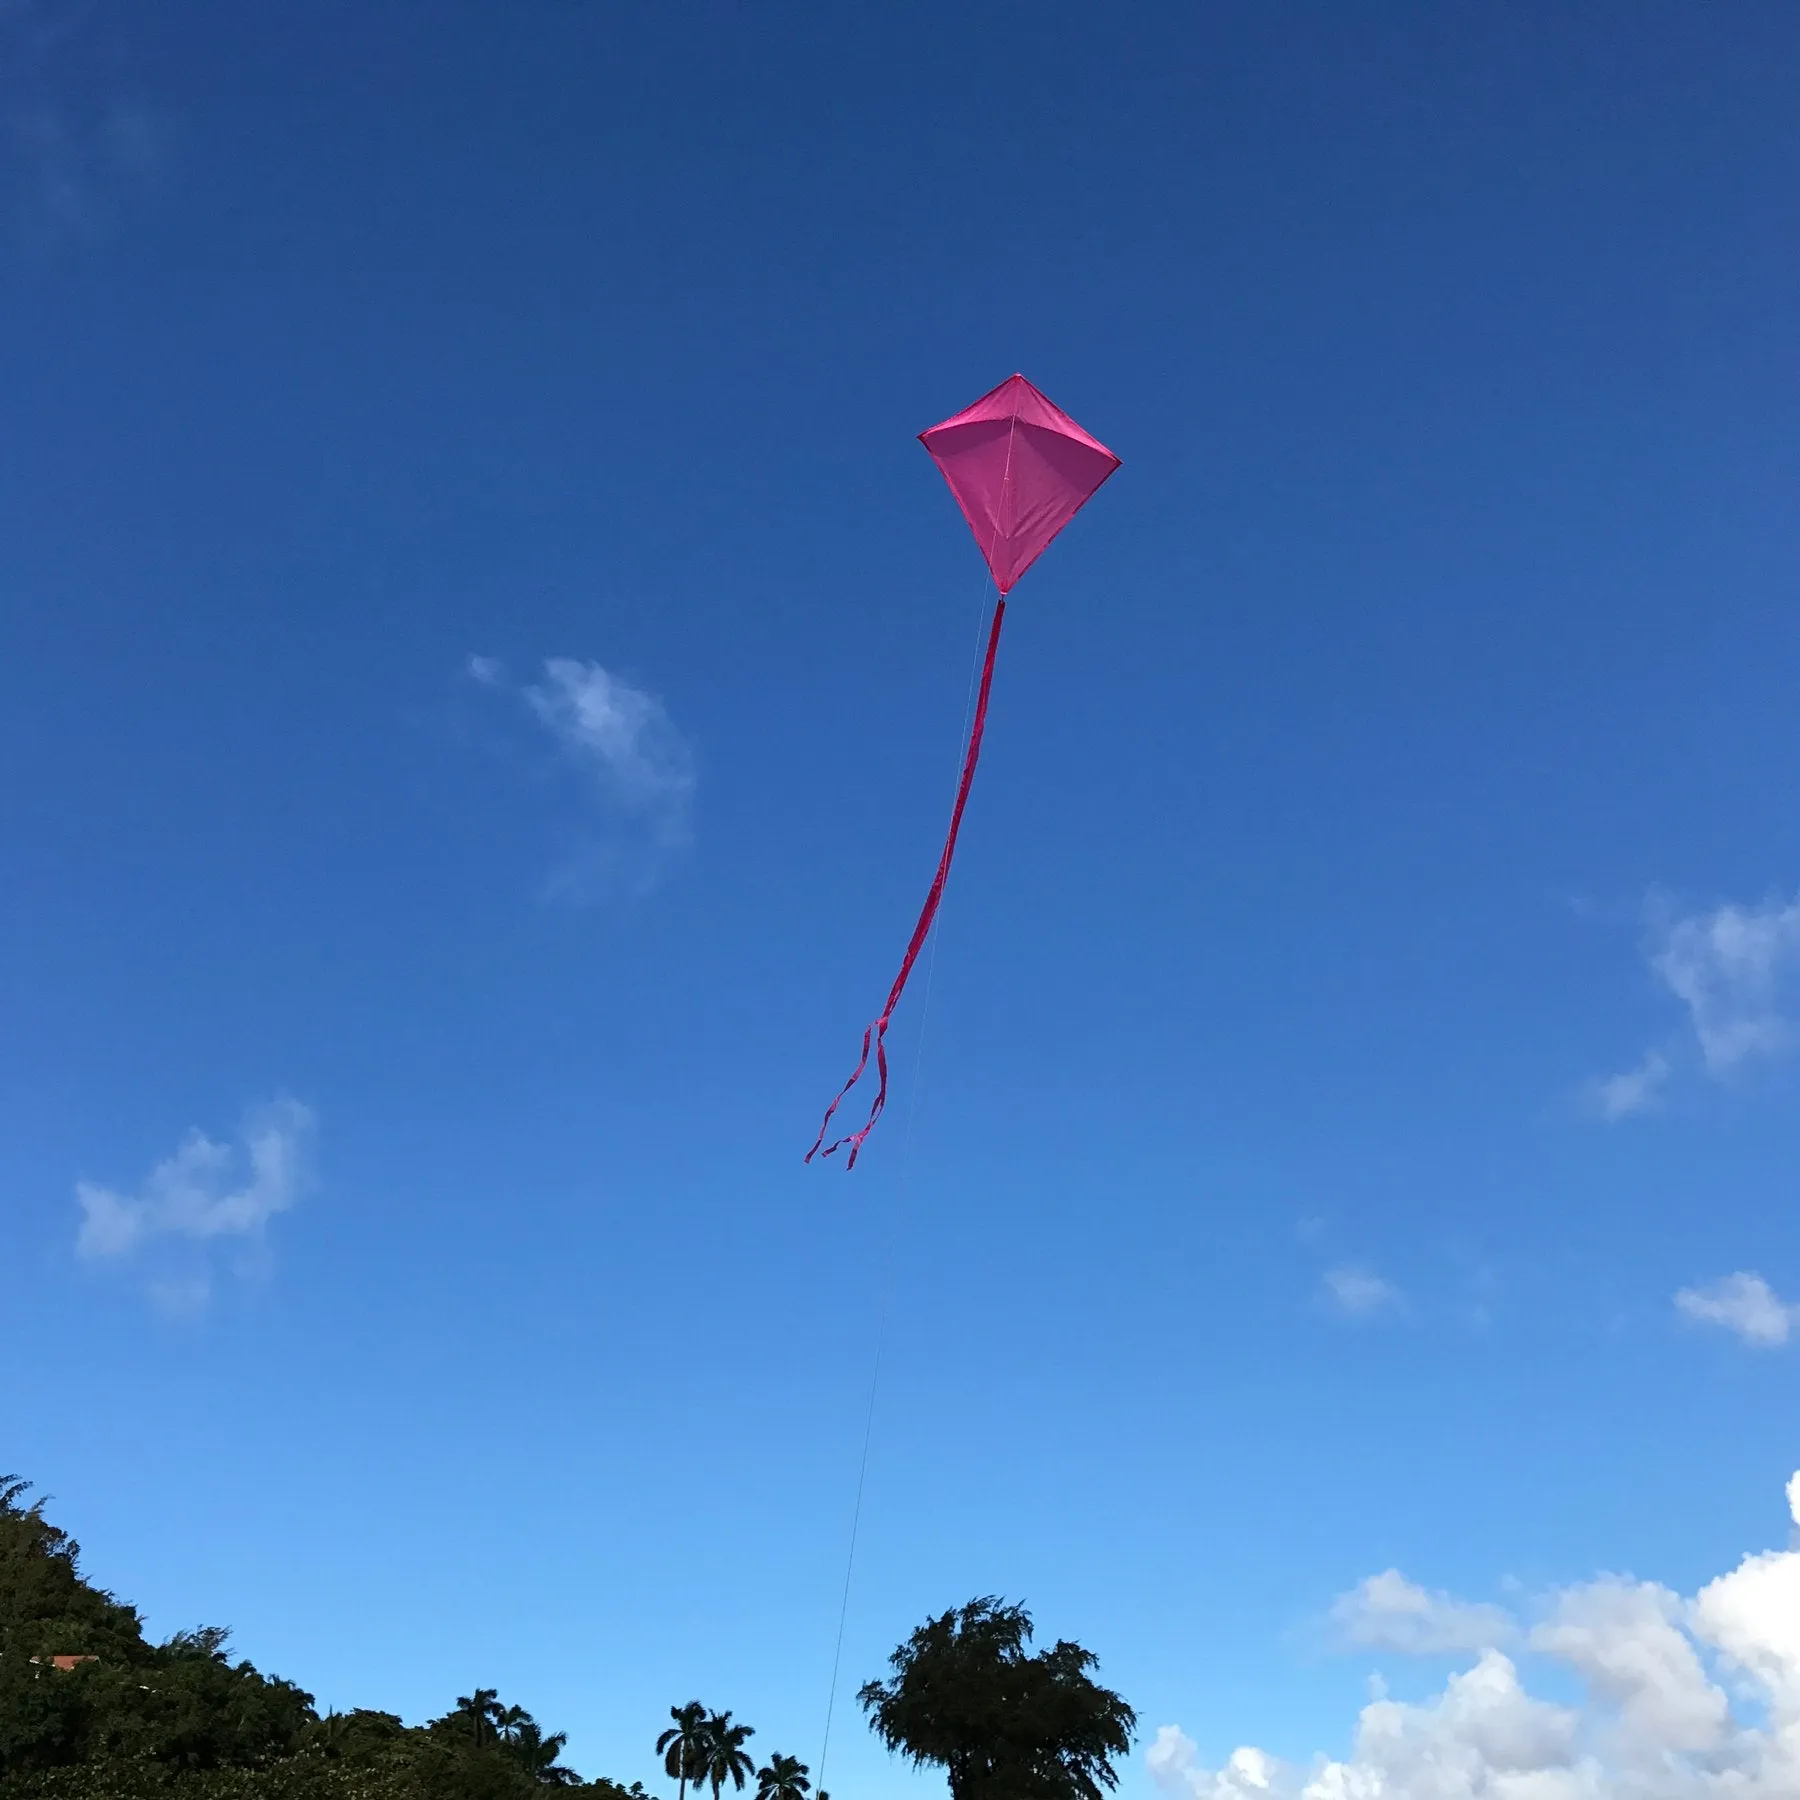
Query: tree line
{"points": [[90, 1709], [706, 1749]]}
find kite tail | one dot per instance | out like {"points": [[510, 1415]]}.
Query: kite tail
{"points": [[875, 1037]]}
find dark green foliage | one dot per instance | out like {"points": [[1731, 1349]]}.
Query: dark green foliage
{"points": [[1004, 1725], [533, 1751], [681, 1744], [613, 1790], [300, 1778], [182, 1704], [45, 1606], [356, 1738], [782, 1778], [722, 1756], [181, 1719], [475, 1721], [497, 1748]]}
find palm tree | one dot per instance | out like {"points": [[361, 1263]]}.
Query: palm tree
{"points": [[481, 1711], [327, 1733], [680, 1749], [782, 1778], [722, 1754], [536, 1754]]}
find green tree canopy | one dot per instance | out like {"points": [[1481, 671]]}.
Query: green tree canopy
{"points": [[120, 1718], [46, 1609], [475, 1716], [1002, 1723]]}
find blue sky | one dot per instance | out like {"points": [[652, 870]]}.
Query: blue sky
{"points": [[483, 658]]}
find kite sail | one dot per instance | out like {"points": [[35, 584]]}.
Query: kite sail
{"points": [[1020, 469]]}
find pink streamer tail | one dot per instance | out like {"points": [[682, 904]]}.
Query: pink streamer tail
{"points": [[876, 1035]]}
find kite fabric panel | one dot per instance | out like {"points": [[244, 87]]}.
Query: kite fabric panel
{"points": [[1020, 469]]}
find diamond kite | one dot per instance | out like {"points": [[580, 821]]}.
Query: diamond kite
{"points": [[1020, 469]]}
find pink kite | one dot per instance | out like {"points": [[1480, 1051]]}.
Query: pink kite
{"points": [[1020, 469]]}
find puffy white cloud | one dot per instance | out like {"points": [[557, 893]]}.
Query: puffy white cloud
{"points": [[1743, 1303], [1484, 1735], [1684, 1700], [1753, 1616], [1360, 1292], [1388, 1612], [204, 1194], [1247, 1775], [1624, 1639]]}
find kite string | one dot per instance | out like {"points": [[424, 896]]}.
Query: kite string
{"points": [[862, 1476], [975, 700], [902, 1185]]}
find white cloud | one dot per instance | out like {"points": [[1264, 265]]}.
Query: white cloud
{"points": [[1683, 1700], [1388, 1612], [622, 736], [1484, 1735], [1175, 1766], [1753, 1616], [1728, 967], [1743, 1303], [636, 764], [1733, 968], [1633, 1091], [1624, 1639], [1359, 1292], [206, 1194]]}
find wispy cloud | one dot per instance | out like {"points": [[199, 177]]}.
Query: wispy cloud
{"points": [[1681, 1699], [1360, 1293], [206, 1197], [623, 737], [1734, 969], [1634, 1091], [1388, 1612], [1742, 1303], [636, 766], [72, 148]]}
